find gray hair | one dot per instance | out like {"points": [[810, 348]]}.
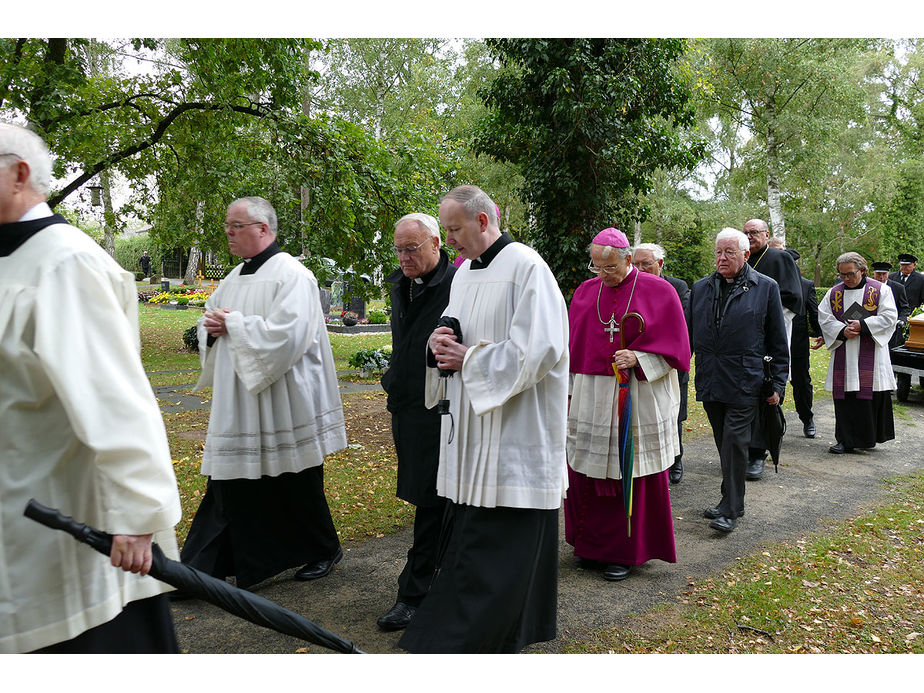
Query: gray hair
{"points": [[258, 209], [656, 250], [728, 232], [609, 250], [427, 223], [475, 200], [28, 147], [853, 257]]}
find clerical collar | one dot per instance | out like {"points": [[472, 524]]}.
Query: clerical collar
{"points": [[14, 234], [485, 258], [254, 263], [858, 286]]}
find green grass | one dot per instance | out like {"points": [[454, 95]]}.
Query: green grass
{"points": [[853, 589]]}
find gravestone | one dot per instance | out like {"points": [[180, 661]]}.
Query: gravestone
{"points": [[325, 301]]}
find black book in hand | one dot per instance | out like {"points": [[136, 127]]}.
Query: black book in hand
{"points": [[857, 312]]}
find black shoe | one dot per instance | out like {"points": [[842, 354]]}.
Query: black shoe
{"points": [[755, 469], [839, 449], [398, 617], [313, 571], [724, 524], [713, 513], [676, 472], [615, 572], [590, 564], [809, 428]]}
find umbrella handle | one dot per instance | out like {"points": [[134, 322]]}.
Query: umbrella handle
{"points": [[55, 519], [622, 324]]}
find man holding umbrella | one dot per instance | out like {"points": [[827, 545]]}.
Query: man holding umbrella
{"points": [[652, 348], [80, 428], [736, 320]]}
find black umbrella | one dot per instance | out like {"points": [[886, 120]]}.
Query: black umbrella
{"points": [[234, 600], [772, 421]]}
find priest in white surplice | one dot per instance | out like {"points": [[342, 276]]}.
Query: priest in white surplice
{"points": [[80, 430], [502, 458], [857, 318], [276, 412]]}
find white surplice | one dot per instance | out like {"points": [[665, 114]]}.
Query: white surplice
{"points": [[593, 420], [80, 430], [276, 405], [509, 401], [881, 327]]}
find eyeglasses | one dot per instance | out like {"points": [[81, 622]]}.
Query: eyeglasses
{"points": [[647, 263], [752, 234], [408, 249], [727, 253], [237, 226], [848, 275], [609, 269]]}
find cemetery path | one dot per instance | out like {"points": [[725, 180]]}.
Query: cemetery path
{"points": [[812, 489]]}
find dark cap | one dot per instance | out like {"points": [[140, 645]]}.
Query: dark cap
{"points": [[906, 259], [882, 266]]}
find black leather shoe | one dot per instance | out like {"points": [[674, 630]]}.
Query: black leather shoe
{"points": [[724, 524], [809, 428], [713, 513], [313, 571], [755, 470], [676, 472], [398, 617], [839, 449], [615, 572]]}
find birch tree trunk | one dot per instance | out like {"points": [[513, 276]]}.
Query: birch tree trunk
{"points": [[637, 233], [777, 223], [192, 268]]}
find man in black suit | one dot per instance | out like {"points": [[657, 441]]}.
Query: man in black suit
{"points": [[779, 266], [803, 325], [912, 281], [649, 257], [419, 294], [881, 274]]}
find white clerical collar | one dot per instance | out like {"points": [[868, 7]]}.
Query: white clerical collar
{"points": [[40, 211], [418, 280]]}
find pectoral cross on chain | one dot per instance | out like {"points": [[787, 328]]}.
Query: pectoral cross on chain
{"points": [[611, 327]]}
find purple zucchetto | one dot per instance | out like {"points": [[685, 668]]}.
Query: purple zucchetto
{"points": [[612, 237]]}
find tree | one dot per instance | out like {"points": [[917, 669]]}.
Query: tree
{"points": [[587, 121], [791, 95]]}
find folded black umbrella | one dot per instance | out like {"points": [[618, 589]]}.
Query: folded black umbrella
{"points": [[772, 421], [195, 583]]}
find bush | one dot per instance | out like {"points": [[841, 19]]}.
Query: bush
{"points": [[375, 360], [191, 339], [377, 318]]}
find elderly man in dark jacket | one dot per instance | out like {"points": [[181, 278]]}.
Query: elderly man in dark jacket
{"points": [[736, 320], [419, 294]]}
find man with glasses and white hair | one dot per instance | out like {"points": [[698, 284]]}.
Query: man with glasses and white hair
{"points": [[419, 293], [857, 318], [502, 445], [736, 320], [649, 257], [80, 430], [602, 318], [276, 412]]}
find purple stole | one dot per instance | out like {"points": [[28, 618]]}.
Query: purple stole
{"points": [[867, 358]]}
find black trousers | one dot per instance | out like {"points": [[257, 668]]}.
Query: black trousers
{"points": [[414, 581], [731, 428], [144, 626], [496, 590], [861, 423], [257, 528], [801, 385]]}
